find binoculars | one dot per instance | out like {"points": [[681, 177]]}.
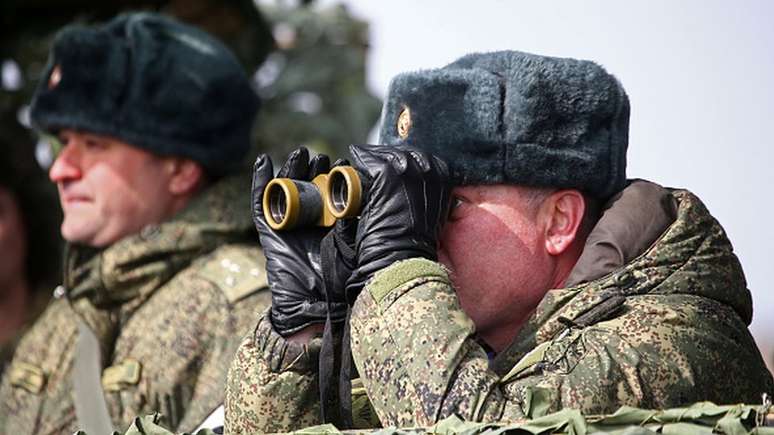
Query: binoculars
{"points": [[289, 203]]}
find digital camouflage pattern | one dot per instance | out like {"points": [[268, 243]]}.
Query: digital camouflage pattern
{"points": [[168, 305], [40, 299], [272, 386], [667, 329]]}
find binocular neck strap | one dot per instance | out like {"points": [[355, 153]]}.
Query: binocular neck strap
{"points": [[335, 355]]}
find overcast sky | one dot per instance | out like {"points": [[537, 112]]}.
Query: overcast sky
{"points": [[698, 74]]}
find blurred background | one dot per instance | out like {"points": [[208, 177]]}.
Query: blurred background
{"points": [[697, 73], [308, 65]]}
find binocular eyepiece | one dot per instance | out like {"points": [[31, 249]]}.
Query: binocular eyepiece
{"points": [[289, 203]]}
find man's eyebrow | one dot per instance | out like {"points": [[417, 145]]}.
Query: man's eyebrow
{"points": [[470, 196], [94, 137]]}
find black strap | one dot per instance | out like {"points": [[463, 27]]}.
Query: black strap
{"points": [[345, 375], [335, 356], [329, 410]]}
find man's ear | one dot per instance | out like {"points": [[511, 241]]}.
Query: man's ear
{"points": [[562, 213], [186, 176]]}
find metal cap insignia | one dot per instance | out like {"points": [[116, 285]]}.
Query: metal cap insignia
{"points": [[404, 123], [55, 77]]}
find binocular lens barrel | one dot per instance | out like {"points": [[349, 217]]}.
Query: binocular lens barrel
{"points": [[339, 192], [289, 203], [278, 204], [344, 192]]}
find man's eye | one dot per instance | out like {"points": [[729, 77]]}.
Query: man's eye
{"points": [[456, 203], [94, 144]]}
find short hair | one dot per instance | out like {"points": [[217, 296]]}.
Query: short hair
{"points": [[535, 196]]}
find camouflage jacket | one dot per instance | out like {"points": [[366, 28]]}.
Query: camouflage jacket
{"points": [[272, 386], [663, 326], [40, 298], [168, 306], [666, 328]]}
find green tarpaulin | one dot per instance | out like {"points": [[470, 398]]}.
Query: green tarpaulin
{"points": [[697, 419]]}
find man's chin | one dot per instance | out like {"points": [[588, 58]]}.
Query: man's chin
{"points": [[79, 233]]}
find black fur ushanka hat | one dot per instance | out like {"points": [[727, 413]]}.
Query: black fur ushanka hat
{"points": [[153, 82], [515, 118]]}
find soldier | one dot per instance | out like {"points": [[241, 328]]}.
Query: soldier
{"points": [[150, 118], [552, 282]]}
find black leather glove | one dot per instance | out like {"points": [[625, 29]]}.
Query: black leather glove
{"points": [[406, 204], [293, 264]]}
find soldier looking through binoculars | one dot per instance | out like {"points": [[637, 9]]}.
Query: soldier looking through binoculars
{"points": [[551, 274]]}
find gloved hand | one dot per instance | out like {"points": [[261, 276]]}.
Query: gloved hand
{"points": [[293, 264], [406, 204]]}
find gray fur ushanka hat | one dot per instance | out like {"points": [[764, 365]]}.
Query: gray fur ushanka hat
{"points": [[515, 118], [152, 82]]}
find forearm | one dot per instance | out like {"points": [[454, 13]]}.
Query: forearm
{"points": [[413, 346], [272, 384]]}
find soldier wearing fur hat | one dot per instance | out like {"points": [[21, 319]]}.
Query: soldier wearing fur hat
{"points": [[149, 119], [502, 257]]}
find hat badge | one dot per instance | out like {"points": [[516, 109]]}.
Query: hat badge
{"points": [[404, 122], [55, 77]]}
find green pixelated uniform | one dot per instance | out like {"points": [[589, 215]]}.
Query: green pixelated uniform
{"points": [[272, 386], [168, 307], [667, 328]]}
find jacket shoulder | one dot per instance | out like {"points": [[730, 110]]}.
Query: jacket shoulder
{"points": [[237, 270], [667, 350], [57, 322], [43, 358]]}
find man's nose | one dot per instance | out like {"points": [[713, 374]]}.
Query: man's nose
{"points": [[66, 166]]}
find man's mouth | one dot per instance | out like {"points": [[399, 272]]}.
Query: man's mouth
{"points": [[75, 199], [70, 193]]}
